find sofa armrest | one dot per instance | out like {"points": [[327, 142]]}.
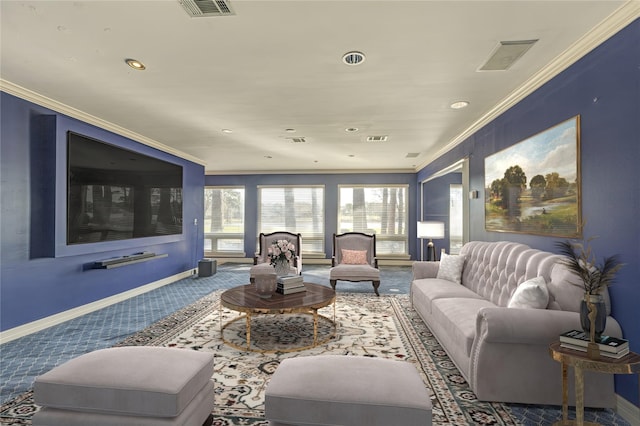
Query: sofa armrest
{"points": [[510, 357], [423, 269], [531, 326]]}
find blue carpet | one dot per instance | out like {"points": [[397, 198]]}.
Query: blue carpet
{"points": [[22, 360]]}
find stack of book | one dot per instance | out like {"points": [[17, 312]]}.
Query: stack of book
{"points": [[289, 284], [609, 346]]}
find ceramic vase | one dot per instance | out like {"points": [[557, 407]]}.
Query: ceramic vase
{"points": [[265, 285], [601, 314]]}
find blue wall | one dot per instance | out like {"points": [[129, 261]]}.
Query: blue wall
{"points": [[330, 182], [436, 199], [604, 89], [40, 275]]}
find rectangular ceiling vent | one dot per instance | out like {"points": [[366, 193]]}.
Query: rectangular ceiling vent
{"points": [[203, 8], [506, 54], [412, 155], [377, 138], [298, 140]]}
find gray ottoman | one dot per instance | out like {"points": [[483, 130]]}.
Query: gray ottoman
{"points": [[138, 385], [347, 391]]}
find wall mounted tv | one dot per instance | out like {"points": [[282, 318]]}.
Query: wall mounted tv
{"points": [[116, 194]]}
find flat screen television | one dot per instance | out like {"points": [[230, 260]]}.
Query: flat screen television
{"points": [[116, 194]]}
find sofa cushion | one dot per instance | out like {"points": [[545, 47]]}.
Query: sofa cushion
{"points": [[434, 288], [457, 316], [357, 272], [451, 267], [531, 294]]}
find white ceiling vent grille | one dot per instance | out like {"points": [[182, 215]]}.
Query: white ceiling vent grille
{"points": [[412, 155], [202, 8], [298, 140], [377, 138], [506, 54]]}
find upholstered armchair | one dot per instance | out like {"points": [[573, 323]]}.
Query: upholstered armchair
{"points": [[261, 261], [354, 259]]}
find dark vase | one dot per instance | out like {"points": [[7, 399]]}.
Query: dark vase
{"points": [[601, 314]]}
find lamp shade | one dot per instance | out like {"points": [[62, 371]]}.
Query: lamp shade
{"points": [[430, 229]]}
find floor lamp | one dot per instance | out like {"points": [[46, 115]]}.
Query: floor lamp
{"points": [[430, 229]]}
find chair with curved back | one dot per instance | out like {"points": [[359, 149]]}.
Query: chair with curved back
{"points": [[261, 262], [354, 259]]}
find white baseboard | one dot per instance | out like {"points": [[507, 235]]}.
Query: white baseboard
{"points": [[627, 411], [41, 324]]}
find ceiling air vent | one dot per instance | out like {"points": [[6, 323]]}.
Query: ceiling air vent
{"points": [[506, 54], [412, 155], [202, 8], [377, 138], [298, 140]]}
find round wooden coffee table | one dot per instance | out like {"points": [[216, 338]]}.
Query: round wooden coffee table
{"points": [[245, 299]]}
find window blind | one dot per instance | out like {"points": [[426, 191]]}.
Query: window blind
{"points": [[297, 209], [380, 210]]}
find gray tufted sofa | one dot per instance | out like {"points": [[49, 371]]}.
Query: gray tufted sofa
{"points": [[502, 352]]}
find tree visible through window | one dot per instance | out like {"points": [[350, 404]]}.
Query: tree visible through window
{"points": [[223, 220], [376, 209]]}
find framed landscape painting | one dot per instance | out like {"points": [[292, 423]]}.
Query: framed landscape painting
{"points": [[533, 187]]}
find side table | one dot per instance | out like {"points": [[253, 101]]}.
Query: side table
{"points": [[628, 364]]}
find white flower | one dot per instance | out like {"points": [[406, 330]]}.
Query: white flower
{"points": [[281, 251]]}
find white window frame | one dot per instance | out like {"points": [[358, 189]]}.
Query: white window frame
{"points": [[312, 239], [397, 240], [214, 239]]}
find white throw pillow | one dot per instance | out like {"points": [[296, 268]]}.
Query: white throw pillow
{"points": [[451, 267], [531, 294]]}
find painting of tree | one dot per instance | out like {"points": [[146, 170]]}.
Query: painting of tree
{"points": [[533, 186]]}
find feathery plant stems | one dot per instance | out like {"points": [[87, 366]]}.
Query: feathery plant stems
{"points": [[581, 260]]}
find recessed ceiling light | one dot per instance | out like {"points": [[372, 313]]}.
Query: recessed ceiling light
{"points": [[227, 131], [351, 129], [351, 155], [459, 105], [353, 58], [135, 64]]}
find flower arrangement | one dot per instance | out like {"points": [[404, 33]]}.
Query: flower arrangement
{"points": [[581, 261], [281, 251]]}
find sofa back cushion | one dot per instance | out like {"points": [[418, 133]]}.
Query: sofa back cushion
{"points": [[495, 269]]}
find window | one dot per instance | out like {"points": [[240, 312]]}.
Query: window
{"points": [[294, 209], [376, 209], [224, 220], [455, 218]]}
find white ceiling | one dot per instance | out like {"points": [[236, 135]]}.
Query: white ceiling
{"points": [[276, 65]]}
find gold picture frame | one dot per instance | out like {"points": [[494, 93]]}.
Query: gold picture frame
{"points": [[533, 187]]}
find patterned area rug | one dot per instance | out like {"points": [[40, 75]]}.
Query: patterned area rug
{"points": [[367, 325]]}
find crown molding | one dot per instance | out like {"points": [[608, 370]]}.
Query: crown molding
{"points": [[307, 172], [615, 22], [28, 95]]}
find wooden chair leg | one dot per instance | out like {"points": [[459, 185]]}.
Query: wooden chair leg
{"points": [[376, 284]]}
